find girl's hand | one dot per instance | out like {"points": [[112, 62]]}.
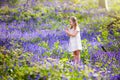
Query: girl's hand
{"points": [[66, 28], [67, 31]]}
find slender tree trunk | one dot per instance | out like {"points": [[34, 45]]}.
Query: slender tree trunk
{"points": [[103, 4]]}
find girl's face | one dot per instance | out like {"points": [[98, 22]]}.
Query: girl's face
{"points": [[71, 23]]}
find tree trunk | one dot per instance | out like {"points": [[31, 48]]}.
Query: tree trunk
{"points": [[103, 4]]}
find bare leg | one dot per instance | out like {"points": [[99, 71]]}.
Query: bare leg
{"points": [[75, 57], [78, 56]]}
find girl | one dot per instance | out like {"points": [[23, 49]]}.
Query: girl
{"points": [[75, 41]]}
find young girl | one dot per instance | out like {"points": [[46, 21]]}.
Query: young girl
{"points": [[75, 39]]}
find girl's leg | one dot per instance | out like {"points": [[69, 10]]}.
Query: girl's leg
{"points": [[78, 56], [75, 57]]}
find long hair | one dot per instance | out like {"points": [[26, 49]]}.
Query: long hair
{"points": [[74, 19]]}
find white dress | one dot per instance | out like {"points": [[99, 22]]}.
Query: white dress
{"points": [[75, 42]]}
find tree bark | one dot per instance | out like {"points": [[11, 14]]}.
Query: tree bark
{"points": [[103, 4]]}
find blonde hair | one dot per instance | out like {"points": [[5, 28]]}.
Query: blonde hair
{"points": [[74, 19]]}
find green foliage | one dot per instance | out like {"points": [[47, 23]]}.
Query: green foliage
{"points": [[67, 55], [116, 29], [56, 44], [7, 12], [115, 7], [110, 28], [4, 10], [37, 39], [105, 35], [57, 50], [13, 2], [62, 70], [98, 39], [26, 15], [75, 1], [85, 56], [44, 44], [13, 70], [47, 53], [15, 64]]}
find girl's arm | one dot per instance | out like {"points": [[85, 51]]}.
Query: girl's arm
{"points": [[71, 34]]}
